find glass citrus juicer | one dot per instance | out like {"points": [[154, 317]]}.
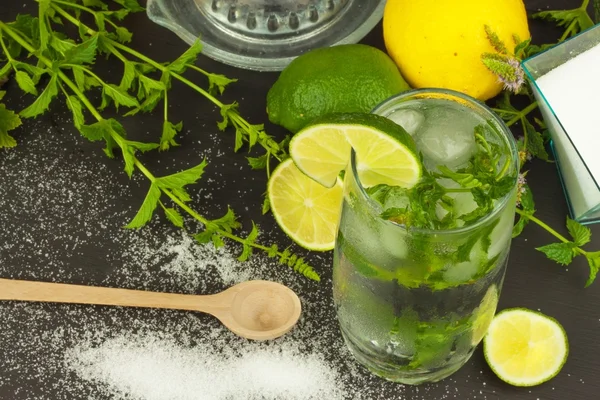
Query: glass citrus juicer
{"points": [[266, 35]]}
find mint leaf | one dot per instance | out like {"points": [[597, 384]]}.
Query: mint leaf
{"points": [[25, 83], [8, 121], [581, 235], [43, 7], [96, 131], [145, 212], [593, 260], [225, 110], [189, 57], [174, 216], [528, 206], [42, 103], [183, 178], [247, 247], [80, 81], [577, 18], [562, 253], [119, 96], [266, 206], [168, 135], [535, 141], [218, 83], [95, 3], [131, 5], [84, 53], [61, 46], [258, 162], [123, 34], [141, 146], [74, 105], [128, 76], [227, 222], [150, 84]]}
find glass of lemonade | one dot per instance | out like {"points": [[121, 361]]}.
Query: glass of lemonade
{"points": [[416, 292]]}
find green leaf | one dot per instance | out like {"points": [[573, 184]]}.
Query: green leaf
{"points": [[168, 135], [75, 106], [145, 212], [150, 84], [5, 70], [96, 131], [203, 237], [174, 216], [183, 178], [217, 83], [43, 7], [562, 253], [25, 83], [123, 34], [61, 46], [42, 103], [95, 3], [84, 53], [8, 121], [79, 77], [253, 134], [226, 110], [128, 78], [239, 139], [535, 141], [227, 222], [189, 57], [141, 146], [578, 18], [247, 248], [120, 96], [266, 206], [181, 194], [258, 162], [217, 240], [581, 235], [593, 260], [131, 5]]}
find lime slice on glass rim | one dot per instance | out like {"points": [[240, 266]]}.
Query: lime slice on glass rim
{"points": [[525, 347], [385, 152], [305, 210]]}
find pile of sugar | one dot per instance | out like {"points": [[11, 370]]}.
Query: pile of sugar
{"points": [[152, 368]]}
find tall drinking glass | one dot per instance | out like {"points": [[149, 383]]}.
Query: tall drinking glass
{"points": [[414, 302]]}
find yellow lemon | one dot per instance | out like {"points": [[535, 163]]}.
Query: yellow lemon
{"points": [[440, 43]]}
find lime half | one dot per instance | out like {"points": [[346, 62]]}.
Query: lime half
{"points": [[525, 347], [305, 210], [386, 153]]}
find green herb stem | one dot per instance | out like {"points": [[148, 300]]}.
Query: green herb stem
{"points": [[549, 229], [112, 45], [521, 114]]}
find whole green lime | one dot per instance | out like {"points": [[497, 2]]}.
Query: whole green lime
{"points": [[345, 78]]}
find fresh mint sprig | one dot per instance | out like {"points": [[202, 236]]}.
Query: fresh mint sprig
{"points": [[58, 57], [8, 121], [535, 136]]}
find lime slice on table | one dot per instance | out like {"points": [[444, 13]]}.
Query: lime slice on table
{"points": [[525, 347], [386, 153], [306, 211]]}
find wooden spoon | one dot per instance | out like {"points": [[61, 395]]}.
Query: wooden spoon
{"points": [[258, 310]]}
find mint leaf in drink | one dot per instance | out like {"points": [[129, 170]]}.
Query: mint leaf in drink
{"points": [[581, 235], [562, 253]]}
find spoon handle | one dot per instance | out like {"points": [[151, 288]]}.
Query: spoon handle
{"points": [[65, 293]]}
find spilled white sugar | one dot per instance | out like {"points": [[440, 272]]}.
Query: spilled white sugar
{"points": [[152, 368]]}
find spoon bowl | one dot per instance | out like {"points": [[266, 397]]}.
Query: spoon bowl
{"points": [[257, 310]]}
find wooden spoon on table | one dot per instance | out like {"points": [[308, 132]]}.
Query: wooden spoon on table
{"points": [[258, 310]]}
